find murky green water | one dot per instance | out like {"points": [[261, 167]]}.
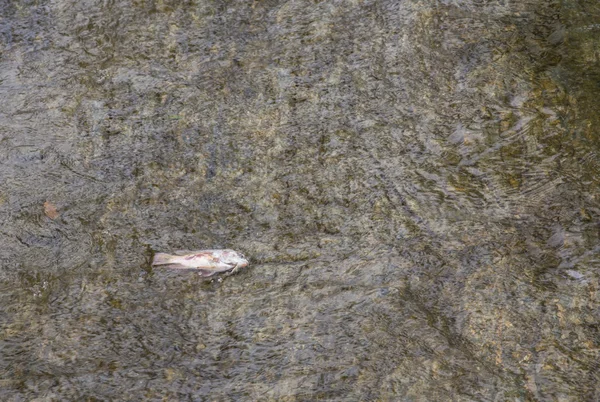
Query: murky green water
{"points": [[416, 184]]}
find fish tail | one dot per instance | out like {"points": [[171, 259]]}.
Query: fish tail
{"points": [[162, 259]]}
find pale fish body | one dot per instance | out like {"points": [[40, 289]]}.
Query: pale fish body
{"points": [[206, 262]]}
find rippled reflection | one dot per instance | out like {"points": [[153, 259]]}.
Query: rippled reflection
{"points": [[415, 183]]}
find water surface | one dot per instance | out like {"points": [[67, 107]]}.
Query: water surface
{"points": [[416, 185]]}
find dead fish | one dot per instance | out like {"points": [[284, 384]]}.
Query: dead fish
{"points": [[206, 262]]}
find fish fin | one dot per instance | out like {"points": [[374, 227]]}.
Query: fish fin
{"points": [[204, 273], [233, 271], [176, 266], [182, 252], [162, 259]]}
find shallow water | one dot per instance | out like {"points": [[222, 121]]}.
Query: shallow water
{"points": [[415, 183]]}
